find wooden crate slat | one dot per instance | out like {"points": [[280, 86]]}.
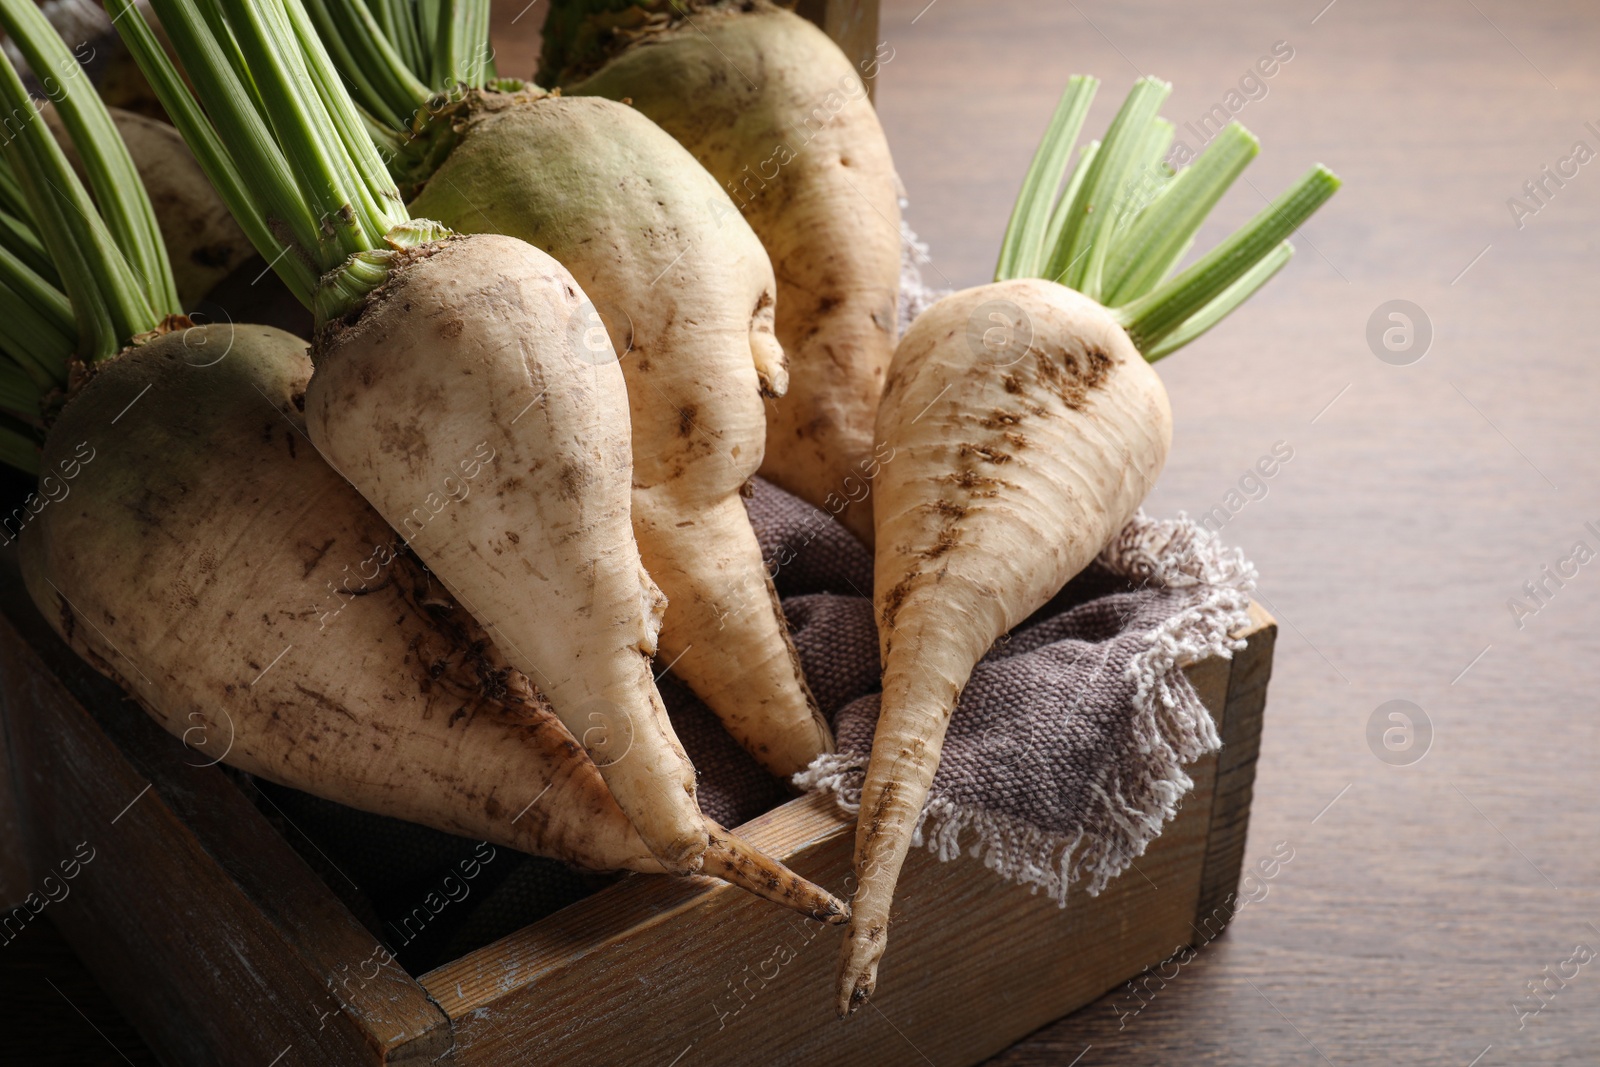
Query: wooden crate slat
{"points": [[1240, 726], [965, 987], [194, 906]]}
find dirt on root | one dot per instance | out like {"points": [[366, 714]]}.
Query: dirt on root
{"points": [[1073, 375]]}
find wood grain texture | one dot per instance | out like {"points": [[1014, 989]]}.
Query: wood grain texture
{"points": [[1240, 728], [623, 977], [1417, 905], [191, 905]]}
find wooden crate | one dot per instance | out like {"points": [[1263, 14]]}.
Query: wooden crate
{"points": [[222, 946]]}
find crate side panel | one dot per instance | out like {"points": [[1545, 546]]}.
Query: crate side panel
{"points": [[175, 946], [1240, 725], [975, 963], [201, 906]]}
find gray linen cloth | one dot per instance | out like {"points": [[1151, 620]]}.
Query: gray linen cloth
{"points": [[1065, 756]]}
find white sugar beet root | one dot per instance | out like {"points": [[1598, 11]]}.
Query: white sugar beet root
{"points": [[686, 294], [1026, 427], [796, 142], [464, 353], [1009, 475]]}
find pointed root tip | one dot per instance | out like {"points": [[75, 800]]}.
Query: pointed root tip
{"points": [[852, 997], [737, 862], [833, 912], [858, 973]]}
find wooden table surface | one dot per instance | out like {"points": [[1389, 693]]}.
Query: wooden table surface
{"points": [[1421, 899]]}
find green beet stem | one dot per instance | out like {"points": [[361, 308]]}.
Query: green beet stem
{"points": [[461, 45], [18, 391], [1147, 180], [1125, 220], [1023, 248], [109, 302], [280, 137], [375, 66], [1079, 257], [37, 317], [1058, 217], [1223, 305], [401, 22], [379, 200], [18, 237], [11, 198], [1157, 239], [118, 192], [1153, 316], [304, 130], [268, 188]]}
